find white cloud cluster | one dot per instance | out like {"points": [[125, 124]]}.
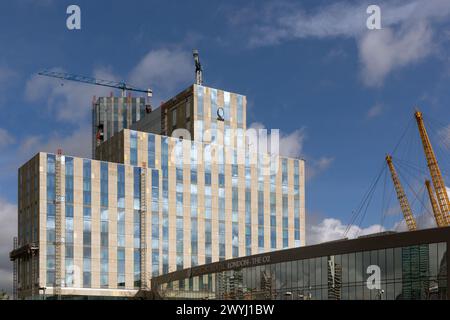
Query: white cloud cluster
{"points": [[162, 70], [67, 100], [375, 111], [444, 135], [407, 34], [330, 229], [77, 143], [317, 166], [8, 228], [5, 138], [291, 145], [385, 50]]}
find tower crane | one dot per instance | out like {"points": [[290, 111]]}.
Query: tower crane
{"points": [[434, 205], [198, 68], [401, 196], [99, 82], [435, 172]]}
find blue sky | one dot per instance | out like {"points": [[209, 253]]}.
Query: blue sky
{"points": [[340, 93]]}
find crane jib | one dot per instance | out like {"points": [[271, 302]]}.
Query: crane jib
{"points": [[100, 82]]}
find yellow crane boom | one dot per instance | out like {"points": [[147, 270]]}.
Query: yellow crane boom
{"points": [[434, 205], [435, 172], [401, 196]]}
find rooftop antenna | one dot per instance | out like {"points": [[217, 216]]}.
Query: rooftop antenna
{"points": [[198, 68]]}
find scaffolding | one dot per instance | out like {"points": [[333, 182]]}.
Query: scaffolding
{"points": [[59, 199], [26, 252], [143, 230], [15, 276]]}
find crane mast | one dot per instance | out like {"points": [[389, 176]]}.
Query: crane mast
{"points": [[435, 172], [401, 196], [436, 212]]}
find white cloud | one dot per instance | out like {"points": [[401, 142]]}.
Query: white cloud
{"points": [[444, 135], [330, 229], [8, 229], [77, 143], [383, 51], [375, 111], [67, 100], [291, 145], [423, 221], [5, 138], [164, 71], [406, 36], [316, 166]]}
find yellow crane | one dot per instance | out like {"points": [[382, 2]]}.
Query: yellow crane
{"points": [[435, 172], [434, 205], [401, 196]]}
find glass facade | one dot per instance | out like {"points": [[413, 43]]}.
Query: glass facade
{"points": [[285, 215], [248, 207], [87, 224], [194, 205], [165, 203], [179, 206], [297, 203], [133, 148], [207, 213], [155, 223], [415, 272], [137, 226], [112, 114], [104, 225], [51, 198], [209, 101], [69, 280], [120, 226], [210, 209]]}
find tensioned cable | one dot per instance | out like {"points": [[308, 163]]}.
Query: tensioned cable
{"points": [[367, 197], [365, 203], [412, 190], [356, 212], [383, 201]]}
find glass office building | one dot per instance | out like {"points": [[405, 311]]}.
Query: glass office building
{"points": [[401, 266], [207, 196], [112, 114]]}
